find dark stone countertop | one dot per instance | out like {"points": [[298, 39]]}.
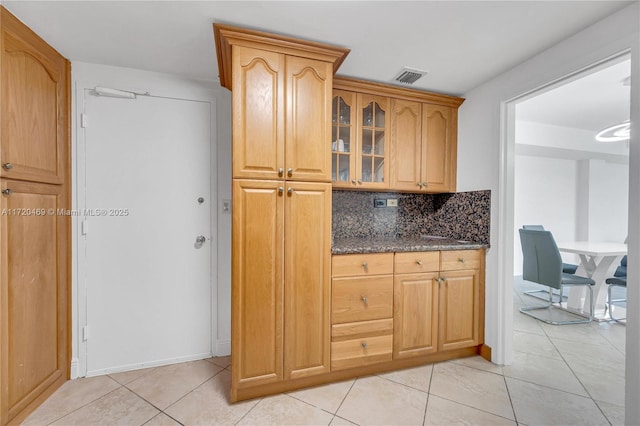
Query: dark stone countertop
{"points": [[390, 244]]}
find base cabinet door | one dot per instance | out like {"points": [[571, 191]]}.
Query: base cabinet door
{"points": [[257, 282], [459, 309], [33, 294], [415, 315], [307, 279]]}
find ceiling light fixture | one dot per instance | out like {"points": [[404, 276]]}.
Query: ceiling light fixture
{"points": [[616, 133]]}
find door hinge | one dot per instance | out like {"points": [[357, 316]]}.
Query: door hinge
{"points": [[85, 333], [84, 227], [83, 120]]}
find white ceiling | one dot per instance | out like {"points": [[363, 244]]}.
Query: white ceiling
{"points": [[592, 102], [461, 44]]}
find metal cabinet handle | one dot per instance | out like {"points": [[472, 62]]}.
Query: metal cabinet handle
{"points": [[461, 260], [419, 262], [7, 191], [280, 190], [365, 265], [364, 345], [419, 184], [365, 300], [280, 171], [290, 172], [424, 185], [7, 166], [353, 181], [290, 191], [360, 181]]}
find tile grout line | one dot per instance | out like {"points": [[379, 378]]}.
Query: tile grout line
{"points": [[345, 397], [426, 406], [88, 403], [513, 409]]}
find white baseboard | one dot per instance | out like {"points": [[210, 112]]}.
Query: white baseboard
{"points": [[156, 363], [74, 371], [223, 347]]}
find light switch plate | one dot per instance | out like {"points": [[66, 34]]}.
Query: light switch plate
{"points": [[392, 202]]}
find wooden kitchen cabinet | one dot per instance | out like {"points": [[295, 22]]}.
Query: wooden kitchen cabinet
{"points": [[281, 107], [439, 148], [281, 232], [362, 309], [35, 253], [418, 152], [34, 117], [438, 305], [360, 140], [461, 299]]}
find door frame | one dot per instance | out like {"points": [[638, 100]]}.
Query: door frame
{"points": [[506, 210], [159, 89]]}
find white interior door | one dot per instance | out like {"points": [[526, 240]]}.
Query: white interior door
{"points": [[148, 199]]}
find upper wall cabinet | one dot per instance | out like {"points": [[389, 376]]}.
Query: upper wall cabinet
{"points": [[360, 140], [33, 117], [414, 150], [281, 104]]}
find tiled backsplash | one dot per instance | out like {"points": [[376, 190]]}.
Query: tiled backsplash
{"points": [[459, 216]]}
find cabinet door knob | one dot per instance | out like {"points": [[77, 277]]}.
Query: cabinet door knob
{"points": [[365, 300], [424, 185], [290, 191], [353, 181], [280, 190], [419, 184], [360, 181], [365, 265], [7, 191], [7, 166], [461, 260], [280, 171], [364, 345], [419, 262], [290, 172]]}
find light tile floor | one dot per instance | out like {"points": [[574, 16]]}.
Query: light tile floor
{"points": [[561, 375]]}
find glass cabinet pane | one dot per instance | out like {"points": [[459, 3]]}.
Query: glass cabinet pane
{"points": [[378, 169], [367, 115], [345, 113], [379, 143], [366, 169], [367, 141], [345, 137], [379, 120]]}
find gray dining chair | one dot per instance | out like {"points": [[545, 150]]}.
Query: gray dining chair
{"points": [[619, 279], [542, 264], [567, 268]]}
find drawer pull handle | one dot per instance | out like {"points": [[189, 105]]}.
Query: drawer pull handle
{"points": [[7, 166], [419, 262], [461, 260], [365, 265], [365, 300], [7, 191], [364, 345]]}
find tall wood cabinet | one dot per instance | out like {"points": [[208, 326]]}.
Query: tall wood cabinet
{"points": [[281, 94], [35, 248], [414, 151]]}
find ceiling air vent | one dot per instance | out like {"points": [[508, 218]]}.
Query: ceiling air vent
{"points": [[409, 75]]}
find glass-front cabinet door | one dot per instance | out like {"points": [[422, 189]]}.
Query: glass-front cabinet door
{"points": [[343, 141], [373, 138]]}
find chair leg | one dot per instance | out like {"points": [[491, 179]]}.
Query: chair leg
{"points": [[610, 304], [525, 310]]}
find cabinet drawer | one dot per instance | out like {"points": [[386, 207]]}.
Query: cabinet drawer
{"points": [[361, 299], [460, 259], [362, 343], [417, 262], [347, 265]]}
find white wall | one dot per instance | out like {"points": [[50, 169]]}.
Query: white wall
{"points": [[608, 201], [484, 162], [84, 74], [544, 195]]}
